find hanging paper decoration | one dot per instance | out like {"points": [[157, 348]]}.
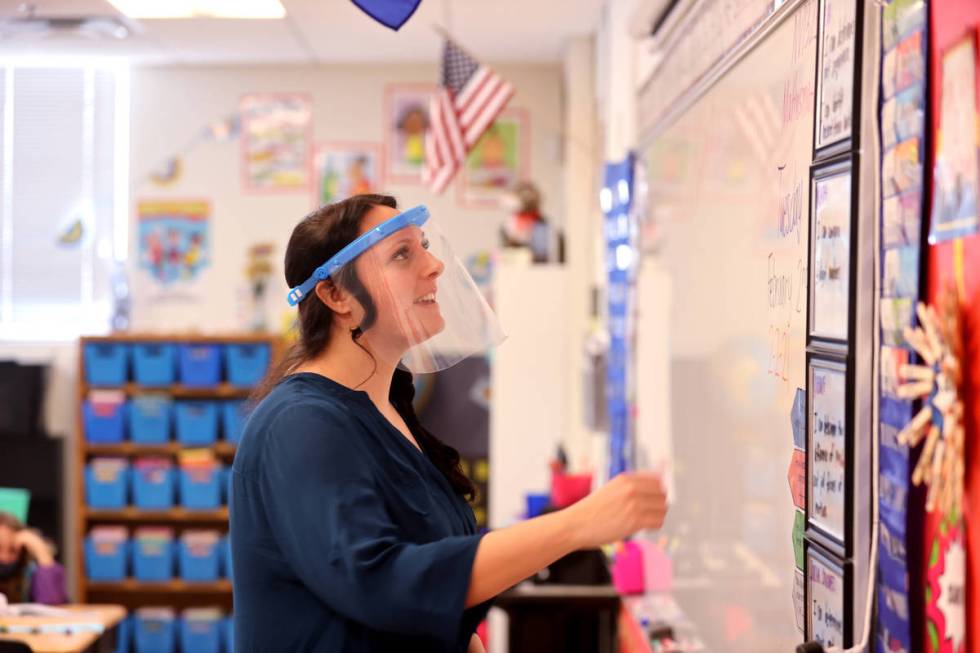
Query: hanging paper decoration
{"points": [[390, 13], [73, 233], [168, 172], [940, 421]]}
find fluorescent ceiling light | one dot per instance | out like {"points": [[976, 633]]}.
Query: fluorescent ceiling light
{"points": [[200, 8]]}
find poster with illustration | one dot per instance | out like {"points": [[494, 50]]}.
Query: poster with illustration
{"points": [[174, 239], [831, 254], [406, 124], [276, 140], [344, 169], [497, 160], [957, 170]]}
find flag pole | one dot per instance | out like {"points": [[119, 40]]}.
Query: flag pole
{"points": [[444, 33]]}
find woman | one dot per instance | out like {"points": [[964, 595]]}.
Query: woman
{"points": [[350, 526], [28, 571]]}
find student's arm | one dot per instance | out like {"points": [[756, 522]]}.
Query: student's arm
{"points": [[628, 503], [48, 579], [35, 546]]}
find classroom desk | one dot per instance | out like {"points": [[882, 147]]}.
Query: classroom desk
{"points": [[108, 616], [567, 618]]}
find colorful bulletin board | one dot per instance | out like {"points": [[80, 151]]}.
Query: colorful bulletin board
{"points": [[902, 125], [954, 262]]}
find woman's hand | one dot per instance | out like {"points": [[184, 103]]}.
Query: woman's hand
{"points": [[476, 645], [35, 546], [630, 502]]}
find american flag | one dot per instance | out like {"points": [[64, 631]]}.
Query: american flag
{"points": [[466, 102]]}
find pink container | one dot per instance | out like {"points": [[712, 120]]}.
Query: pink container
{"points": [[658, 568], [627, 569], [566, 489]]}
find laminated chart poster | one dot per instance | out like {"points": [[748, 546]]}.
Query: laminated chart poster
{"points": [[825, 589], [828, 384], [831, 255], [835, 81]]}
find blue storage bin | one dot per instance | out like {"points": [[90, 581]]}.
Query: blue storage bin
{"points": [[197, 422], [106, 363], [105, 490], [124, 635], [156, 634], [200, 365], [153, 363], [229, 634], [198, 635], [153, 489], [245, 364], [105, 560], [153, 560], [198, 563], [149, 419], [233, 415], [104, 421], [200, 489]]}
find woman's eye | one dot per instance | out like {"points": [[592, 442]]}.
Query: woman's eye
{"points": [[425, 243], [400, 254]]}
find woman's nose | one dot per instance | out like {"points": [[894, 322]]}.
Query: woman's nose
{"points": [[435, 266]]}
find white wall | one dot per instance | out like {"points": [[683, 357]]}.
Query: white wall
{"points": [[171, 105]]}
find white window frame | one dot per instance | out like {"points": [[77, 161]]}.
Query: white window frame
{"points": [[96, 316]]}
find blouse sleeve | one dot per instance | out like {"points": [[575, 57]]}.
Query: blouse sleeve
{"points": [[48, 585], [330, 521]]}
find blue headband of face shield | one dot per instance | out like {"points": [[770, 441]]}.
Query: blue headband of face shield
{"points": [[415, 216]]}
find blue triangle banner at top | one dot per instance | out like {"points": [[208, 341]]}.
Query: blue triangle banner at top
{"points": [[390, 13]]}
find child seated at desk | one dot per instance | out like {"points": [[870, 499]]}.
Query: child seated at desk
{"points": [[28, 571]]}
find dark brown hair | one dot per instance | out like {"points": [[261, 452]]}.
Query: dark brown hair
{"points": [[319, 236], [14, 587]]}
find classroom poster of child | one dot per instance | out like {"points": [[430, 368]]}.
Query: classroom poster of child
{"points": [[276, 137], [406, 125], [174, 240], [344, 169], [496, 162]]}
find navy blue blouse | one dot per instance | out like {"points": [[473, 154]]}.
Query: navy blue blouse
{"points": [[344, 536]]}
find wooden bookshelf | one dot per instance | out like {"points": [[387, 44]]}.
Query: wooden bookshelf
{"points": [[222, 391], [131, 592]]}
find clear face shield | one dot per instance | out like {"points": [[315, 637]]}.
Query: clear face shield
{"points": [[412, 298]]}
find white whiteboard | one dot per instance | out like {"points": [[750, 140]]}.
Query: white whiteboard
{"points": [[729, 189]]}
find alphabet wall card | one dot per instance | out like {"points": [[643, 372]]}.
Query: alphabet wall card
{"points": [[827, 432], [956, 174], [826, 587], [836, 72], [830, 252], [276, 141]]}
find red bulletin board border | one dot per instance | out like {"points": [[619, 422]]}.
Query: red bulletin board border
{"points": [[951, 21]]}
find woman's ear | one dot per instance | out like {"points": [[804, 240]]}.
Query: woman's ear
{"points": [[334, 297]]}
